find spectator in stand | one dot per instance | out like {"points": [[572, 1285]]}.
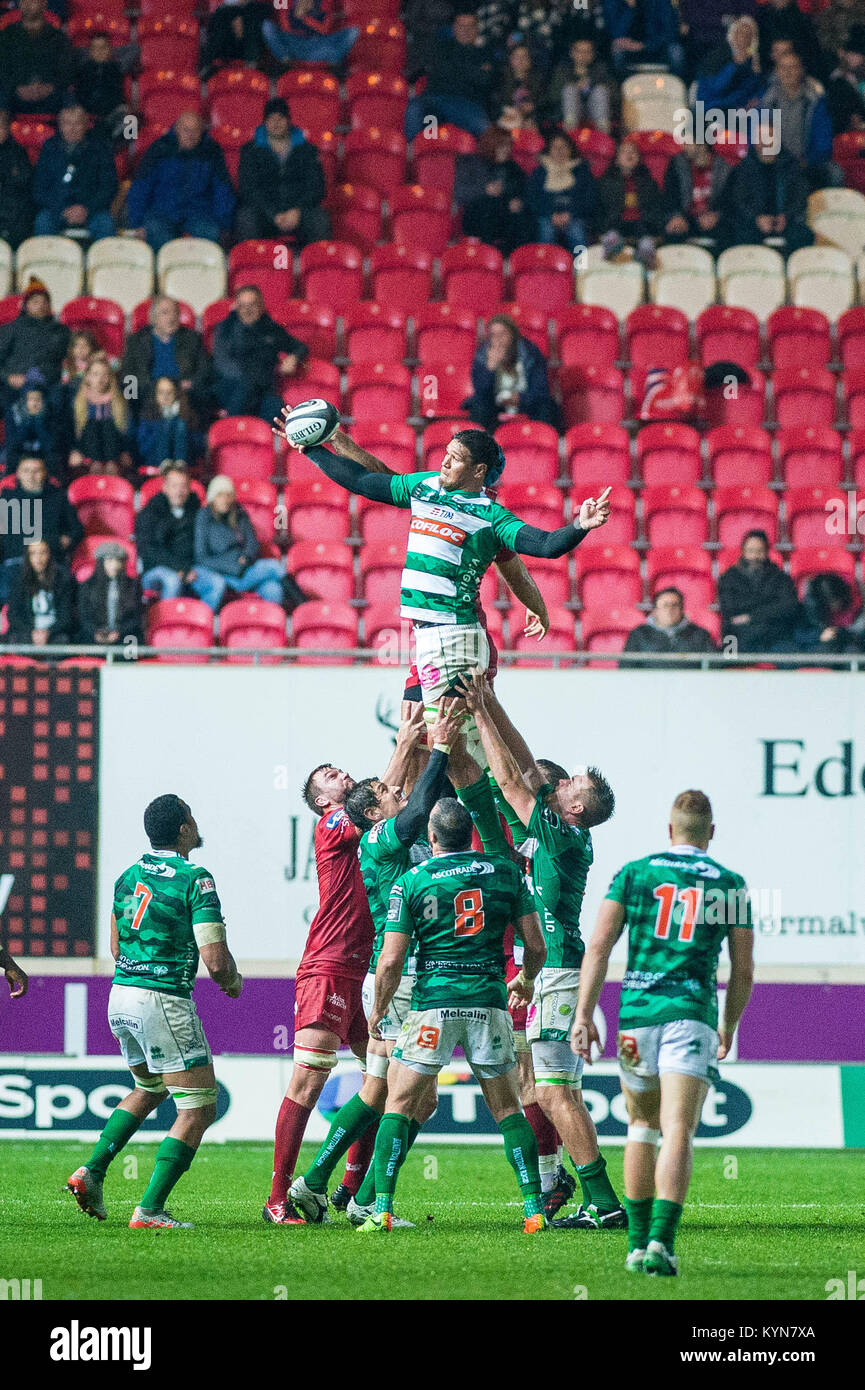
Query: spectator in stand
{"points": [[99, 86], [782, 19], [165, 534], [632, 207], [845, 93], [182, 187], [34, 339], [82, 345], [16, 188], [834, 23], [667, 629], [509, 377], [766, 196], [164, 429], [460, 79], [281, 183], [308, 39], [704, 22], [644, 31], [102, 438], [75, 180], [165, 348], [249, 349], [37, 62], [550, 27], [491, 189], [759, 607], [563, 194], [581, 91], [234, 34], [519, 94], [693, 186], [833, 620], [45, 511], [731, 77], [803, 120], [32, 430], [41, 600], [227, 551], [109, 602], [423, 20]]}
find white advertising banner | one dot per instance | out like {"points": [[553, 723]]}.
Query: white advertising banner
{"points": [[781, 754]]}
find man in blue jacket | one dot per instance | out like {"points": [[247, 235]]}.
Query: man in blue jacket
{"points": [[804, 120], [75, 180], [281, 183], [182, 187]]}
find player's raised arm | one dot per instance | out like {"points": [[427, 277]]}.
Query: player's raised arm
{"points": [[408, 735], [503, 765], [550, 545], [740, 943], [593, 972], [411, 821], [524, 588]]}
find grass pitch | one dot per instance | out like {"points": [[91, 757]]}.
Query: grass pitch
{"points": [[760, 1224]]}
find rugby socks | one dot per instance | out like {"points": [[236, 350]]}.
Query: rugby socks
{"points": [[639, 1211], [596, 1186], [547, 1138], [665, 1220], [365, 1195], [291, 1124], [478, 801], [118, 1131], [521, 1150], [173, 1157], [348, 1125], [391, 1147], [359, 1157]]}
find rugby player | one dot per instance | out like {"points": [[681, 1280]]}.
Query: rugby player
{"points": [[166, 914], [556, 813], [388, 823], [456, 907], [678, 907], [328, 1007]]}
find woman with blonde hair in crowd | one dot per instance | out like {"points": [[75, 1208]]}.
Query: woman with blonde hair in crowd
{"points": [[100, 419]]}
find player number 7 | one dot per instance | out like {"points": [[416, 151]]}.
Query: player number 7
{"points": [[145, 894]]}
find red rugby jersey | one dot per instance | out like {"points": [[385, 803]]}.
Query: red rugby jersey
{"points": [[341, 932]]}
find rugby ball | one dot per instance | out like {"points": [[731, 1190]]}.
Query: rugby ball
{"points": [[311, 422]]}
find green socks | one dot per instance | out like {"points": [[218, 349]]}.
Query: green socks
{"points": [[118, 1131], [665, 1220], [596, 1186], [639, 1215], [348, 1124], [173, 1157], [391, 1147], [478, 801], [365, 1196], [521, 1150]]}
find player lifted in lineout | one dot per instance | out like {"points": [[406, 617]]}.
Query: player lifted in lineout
{"points": [[456, 907], [678, 907], [166, 914]]}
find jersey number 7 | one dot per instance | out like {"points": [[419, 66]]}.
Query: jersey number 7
{"points": [[667, 895], [145, 894], [469, 912]]}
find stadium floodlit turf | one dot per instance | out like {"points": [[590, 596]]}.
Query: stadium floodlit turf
{"points": [[760, 1224]]}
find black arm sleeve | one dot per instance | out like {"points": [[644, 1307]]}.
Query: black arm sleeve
{"points": [[352, 476], [549, 545], [412, 820]]}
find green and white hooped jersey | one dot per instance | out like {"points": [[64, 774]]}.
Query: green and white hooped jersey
{"points": [[453, 538]]}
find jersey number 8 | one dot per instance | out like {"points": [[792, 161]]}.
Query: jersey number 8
{"points": [[469, 912]]}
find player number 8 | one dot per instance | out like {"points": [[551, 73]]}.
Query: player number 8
{"points": [[469, 910]]}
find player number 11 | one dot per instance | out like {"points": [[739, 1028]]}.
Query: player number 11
{"points": [[667, 894]]}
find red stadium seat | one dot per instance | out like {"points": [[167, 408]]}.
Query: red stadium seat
{"points": [[318, 510], [531, 450], [355, 214], [323, 569], [377, 99], [327, 627], [669, 453], [258, 498], [552, 577], [675, 515], [314, 324], [148, 9], [357, 11], [164, 94], [608, 575], [401, 276], [105, 505], [434, 160], [848, 150], [560, 638], [657, 148], [381, 46], [744, 407], [592, 395], [382, 523], [315, 378], [331, 272], [621, 528], [597, 149], [239, 106], [373, 333], [389, 440], [542, 274], [741, 509], [81, 28], [10, 307], [807, 561], [267, 264], [684, 567], [472, 275], [381, 566], [140, 317], [241, 446], [252, 622], [598, 451], [850, 331], [856, 446], [102, 317], [378, 391], [810, 454], [533, 323], [420, 217], [374, 157], [444, 333], [84, 559], [237, 78], [442, 387], [386, 633], [151, 486], [657, 336], [528, 145], [798, 337], [853, 386], [804, 396], [231, 140], [739, 456], [606, 629], [808, 513], [313, 98], [212, 316], [588, 335], [180, 622], [538, 504], [32, 134], [727, 334], [168, 43]]}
